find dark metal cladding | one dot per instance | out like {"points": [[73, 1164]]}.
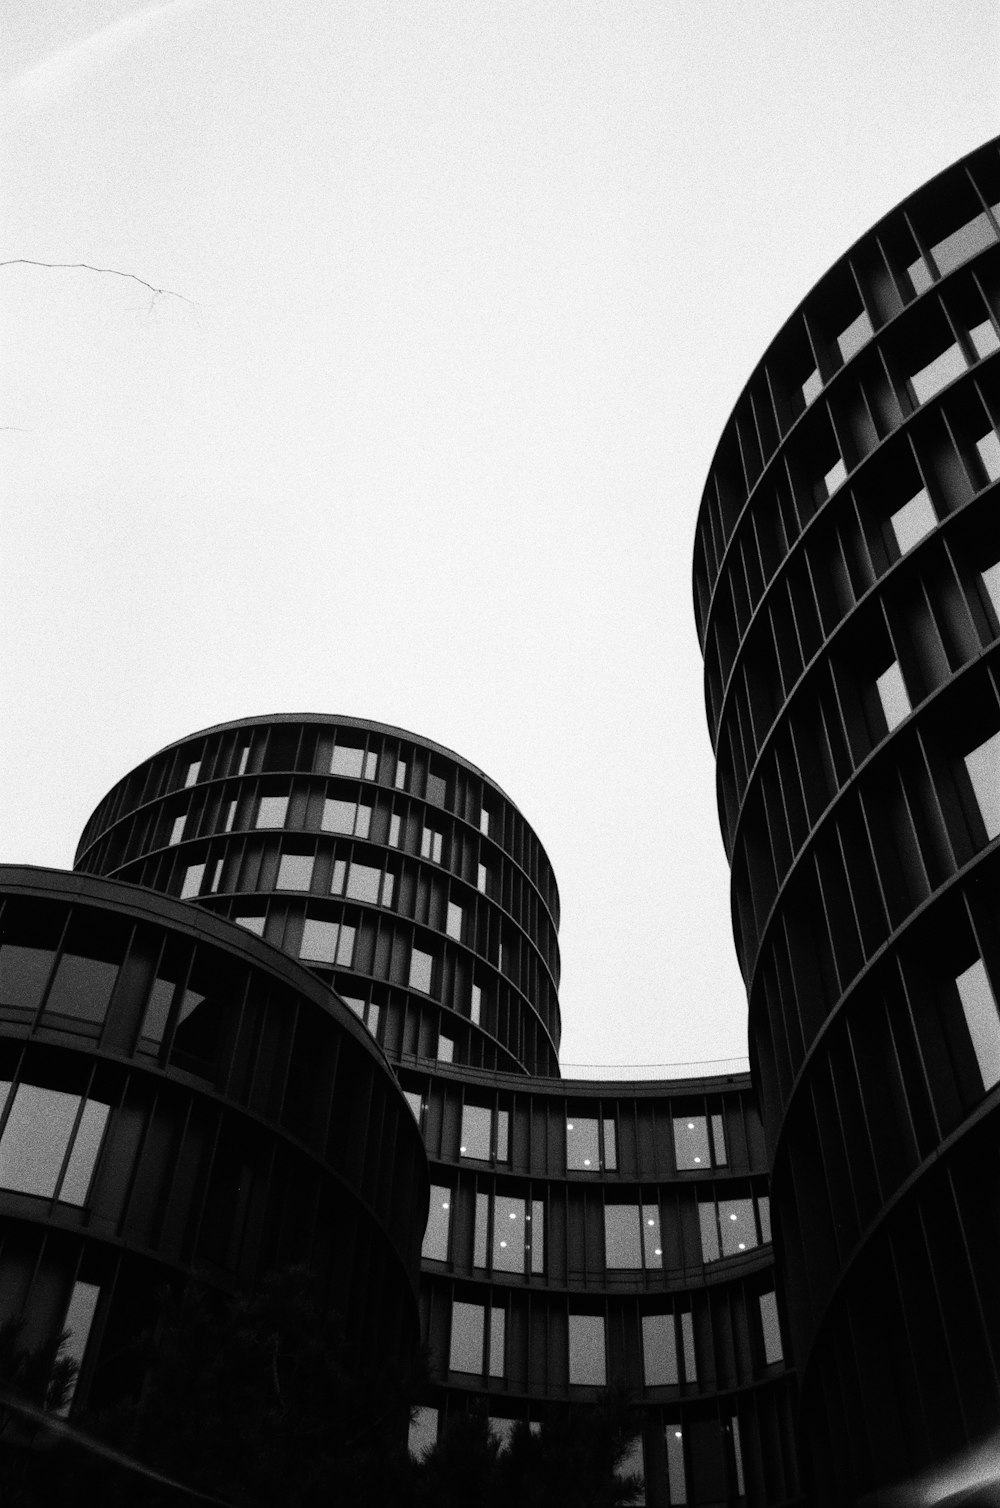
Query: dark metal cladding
{"points": [[847, 593]]}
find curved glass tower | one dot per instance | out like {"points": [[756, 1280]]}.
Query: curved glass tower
{"points": [[847, 591]]}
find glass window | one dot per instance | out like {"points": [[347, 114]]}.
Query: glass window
{"points": [[241, 768], [177, 831], [431, 845], [231, 815], [438, 1224], [991, 581], [719, 1142], [737, 1456], [631, 1465], [24, 973], [193, 770], [915, 519], [453, 926], [582, 1151], [812, 387], [622, 1236], [467, 1337], [691, 1142], [371, 765], [215, 876], [498, 1336], [327, 942], [337, 876], [980, 1007], [421, 970], [893, 695], [338, 816], [388, 884], [423, 1430], [988, 446], [476, 1005], [610, 1144], [770, 1328], [857, 334], [920, 275], [764, 1215], [983, 765], [537, 1237], [676, 1475], [954, 249], [481, 1234], [503, 1122], [659, 1350], [931, 378], [984, 338], [484, 822], [652, 1246], [687, 1345], [436, 790], [394, 825], [446, 1048], [833, 478], [709, 1230], [271, 811], [413, 1099], [736, 1222], [251, 923], [37, 1136], [400, 774], [364, 821], [79, 1318], [346, 761], [191, 884], [295, 871], [510, 1233], [364, 883], [481, 879], [477, 1126], [587, 1358], [82, 988]]}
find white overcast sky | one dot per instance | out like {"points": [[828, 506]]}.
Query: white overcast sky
{"points": [[474, 287]]}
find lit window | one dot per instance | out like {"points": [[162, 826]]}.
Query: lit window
{"points": [[481, 879], [587, 1356], [812, 387], [719, 1142], [295, 871], [271, 811], [82, 988], [431, 845], [477, 1128], [423, 1431], [231, 816], [983, 765], [991, 581], [984, 338], [438, 1224], [400, 774], [770, 1328], [251, 923], [582, 1150], [193, 771], [421, 970], [327, 942], [691, 1142], [931, 378], [177, 831], [834, 477], [676, 1475], [709, 1230], [893, 695], [632, 1236], [346, 761], [453, 926], [503, 1122], [980, 1007], [78, 1320], [344, 817], [988, 446], [446, 1048], [37, 1137], [659, 1350], [476, 1006], [467, 1337], [338, 876], [394, 825], [510, 1234], [364, 883], [858, 333], [736, 1223], [911, 522], [952, 250]]}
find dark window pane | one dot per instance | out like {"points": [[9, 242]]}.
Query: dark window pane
{"points": [[24, 973], [82, 988]]}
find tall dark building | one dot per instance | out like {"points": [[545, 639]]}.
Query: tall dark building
{"points": [[847, 590]]}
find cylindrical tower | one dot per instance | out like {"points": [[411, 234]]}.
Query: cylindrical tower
{"points": [[396, 870], [847, 591]]}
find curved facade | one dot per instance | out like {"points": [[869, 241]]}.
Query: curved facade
{"points": [[179, 1100], [579, 1234], [847, 591]]}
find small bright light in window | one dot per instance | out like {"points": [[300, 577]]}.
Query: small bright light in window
{"points": [[697, 1159], [690, 1125], [569, 1125], [677, 1434], [649, 1222], [732, 1217], [461, 1149], [445, 1205], [503, 1243], [512, 1216], [586, 1162], [743, 1246], [657, 1251], [527, 1217]]}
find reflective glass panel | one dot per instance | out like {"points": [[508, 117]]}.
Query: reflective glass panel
{"points": [[192, 772], [915, 519], [737, 1455], [481, 878], [764, 1214], [736, 1222], [610, 1144], [833, 478], [719, 1142], [691, 1142], [436, 790], [980, 1008], [412, 1098], [191, 883], [82, 988], [709, 1231], [687, 1346], [423, 1430], [36, 1138], [893, 695], [338, 816], [537, 1239], [86, 1145], [509, 1230], [988, 446], [271, 811], [812, 387], [945, 367], [770, 1328], [79, 1318], [991, 581], [652, 1248], [476, 1006], [319, 940], [337, 876], [587, 1359], [438, 1224], [363, 822], [177, 831], [295, 871], [387, 889], [453, 926], [400, 774], [676, 1475], [857, 334], [363, 883], [346, 761], [984, 338], [157, 1010], [480, 1236], [582, 1153], [622, 1243], [476, 1129], [503, 1121], [446, 1049], [919, 275], [659, 1350], [498, 1329], [467, 1337], [421, 970], [983, 765], [956, 248]]}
